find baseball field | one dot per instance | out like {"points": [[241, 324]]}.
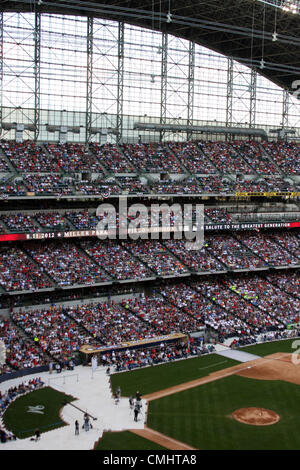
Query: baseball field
{"points": [[216, 403]]}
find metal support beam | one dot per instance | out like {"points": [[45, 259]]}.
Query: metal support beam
{"points": [[120, 82], [190, 106], [252, 111], [164, 81], [229, 92], [37, 73], [1, 68], [285, 109], [89, 80]]}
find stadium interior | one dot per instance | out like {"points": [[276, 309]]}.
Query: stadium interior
{"points": [[153, 103]]}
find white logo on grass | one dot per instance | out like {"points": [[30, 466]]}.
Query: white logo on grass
{"points": [[36, 409]]}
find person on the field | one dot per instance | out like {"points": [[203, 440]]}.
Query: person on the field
{"points": [[76, 428]]}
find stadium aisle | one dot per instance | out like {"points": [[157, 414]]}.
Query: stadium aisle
{"points": [[94, 396]]}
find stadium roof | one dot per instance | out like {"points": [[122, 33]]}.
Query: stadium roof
{"points": [[257, 33]]}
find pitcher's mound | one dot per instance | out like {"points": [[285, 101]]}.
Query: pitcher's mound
{"points": [[256, 416]]}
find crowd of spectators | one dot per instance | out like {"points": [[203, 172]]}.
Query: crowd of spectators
{"points": [[288, 282], [194, 301], [21, 352], [289, 242], [18, 272], [73, 158], [98, 187], [52, 331], [268, 183], [116, 260], [53, 221], [225, 157], [253, 153], [218, 216], [285, 155], [112, 158], [156, 256], [28, 157], [132, 185], [11, 188], [277, 308], [253, 319], [232, 253], [49, 184], [191, 157], [111, 323], [4, 168], [186, 186], [152, 157], [196, 260], [131, 359], [83, 219], [19, 222], [163, 316], [66, 263], [264, 247]]}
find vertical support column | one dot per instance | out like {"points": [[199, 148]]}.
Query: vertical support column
{"points": [[252, 111], [37, 73], [229, 92], [190, 108], [285, 109], [120, 82], [89, 80], [1, 68], [164, 81]]}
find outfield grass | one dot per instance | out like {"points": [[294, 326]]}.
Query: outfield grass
{"points": [[23, 424], [125, 440], [201, 417], [264, 349], [152, 379]]}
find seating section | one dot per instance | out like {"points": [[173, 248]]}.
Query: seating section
{"points": [[29, 157], [155, 158], [52, 331], [285, 155], [164, 317], [225, 157], [67, 264], [276, 305], [4, 168], [267, 249], [111, 323], [254, 155], [232, 253], [19, 222], [115, 260], [196, 260], [112, 158], [191, 157], [52, 221], [70, 158], [19, 273], [238, 307], [156, 257], [21, 352]]}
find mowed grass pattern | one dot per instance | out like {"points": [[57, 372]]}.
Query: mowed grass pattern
{"points": [[152, 379], [264, 349], [201, 417], [23, 424], [125, 440]]}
